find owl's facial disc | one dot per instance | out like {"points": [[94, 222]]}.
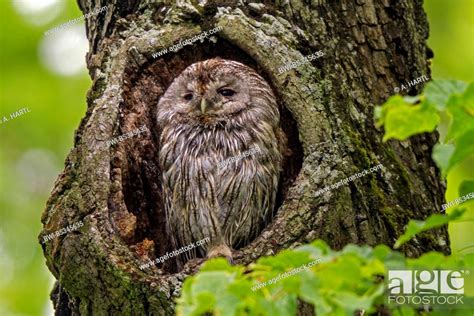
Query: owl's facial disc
{"points": [[211, 91], [215, 98]]}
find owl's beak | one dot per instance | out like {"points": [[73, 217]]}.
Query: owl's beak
{"points": [[203, 105]]}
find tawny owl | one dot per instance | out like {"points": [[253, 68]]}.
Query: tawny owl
{"points": [[221, 154]]}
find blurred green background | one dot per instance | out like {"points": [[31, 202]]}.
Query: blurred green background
{"points": [[47, 74]]}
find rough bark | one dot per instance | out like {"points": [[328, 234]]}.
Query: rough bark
{"points": [[369, 48]]}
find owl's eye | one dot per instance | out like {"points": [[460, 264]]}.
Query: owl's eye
{"points": [[226, 92], [188, 96]]}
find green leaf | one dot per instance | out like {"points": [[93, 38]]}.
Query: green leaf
{"points": [[469, 98], [286, 305], [322, 246], [415, 226], [442, 155], [267, 268], [466, 187], [405, 120], [309, 290], [403, 310], [391, 259], [203, 302], [469, 260], [209, 291], [219, 264], [447, 155], [434, 260], [343, 282], [464, 149], [263, 307], [361, 251], [227, 304], [351, 302], [462, 117], [438, 92], [215, 280], [317, 250], [380, 112], [428, 260]]}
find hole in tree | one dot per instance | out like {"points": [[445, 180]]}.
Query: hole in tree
{"points": [[135, 162]]}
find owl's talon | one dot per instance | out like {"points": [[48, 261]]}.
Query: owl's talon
{"points": [[221, 251]]}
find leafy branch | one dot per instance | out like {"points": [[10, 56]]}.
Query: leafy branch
{"points": [[449, 106], [342, 283]]}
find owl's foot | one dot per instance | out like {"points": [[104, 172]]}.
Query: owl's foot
{"points": [[221, 251]]}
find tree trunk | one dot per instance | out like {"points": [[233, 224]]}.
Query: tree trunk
{"points": [[370, 47]]}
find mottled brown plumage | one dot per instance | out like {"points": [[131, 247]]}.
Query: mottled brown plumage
{"points": [[215, 110]]}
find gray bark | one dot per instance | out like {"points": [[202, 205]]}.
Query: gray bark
{"points": [[369, 48]]}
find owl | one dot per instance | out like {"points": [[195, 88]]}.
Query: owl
{"points": [[220, 154]]}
